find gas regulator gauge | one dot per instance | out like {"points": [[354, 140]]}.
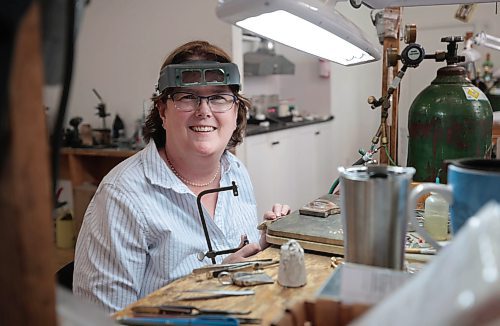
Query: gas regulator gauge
{"points": [[413, 55]]}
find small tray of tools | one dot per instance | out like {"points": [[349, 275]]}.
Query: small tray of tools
{"points": [[320, 207], [319, 229]]}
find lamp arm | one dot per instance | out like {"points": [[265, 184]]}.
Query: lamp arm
{"points": [[487, 40], [492, 46]]}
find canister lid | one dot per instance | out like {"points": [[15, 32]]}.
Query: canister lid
{"points": [[376, 171], [476, 164], [452, 70]]}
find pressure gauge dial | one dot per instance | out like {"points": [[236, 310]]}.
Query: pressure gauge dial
{"points": [[410, 35], [412, 55]]}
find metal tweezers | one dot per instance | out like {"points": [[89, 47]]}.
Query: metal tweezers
{"points": [[252, 264], [184, 310], [214, 294]]}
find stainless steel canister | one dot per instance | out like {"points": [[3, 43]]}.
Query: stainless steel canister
{"points": [[373, 209]]}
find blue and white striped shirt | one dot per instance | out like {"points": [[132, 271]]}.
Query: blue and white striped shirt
{"points": [[142, 229]]}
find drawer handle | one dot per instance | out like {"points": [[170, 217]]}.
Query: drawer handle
{"points": [[275, 142], [317, 132]]}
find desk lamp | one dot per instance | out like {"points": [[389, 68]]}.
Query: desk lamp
{"points": [[311, 26]]}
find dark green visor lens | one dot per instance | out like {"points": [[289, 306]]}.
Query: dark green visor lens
{"points": [[195, 77]]}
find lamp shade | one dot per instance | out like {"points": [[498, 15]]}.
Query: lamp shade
{"points": [[307, 25]]}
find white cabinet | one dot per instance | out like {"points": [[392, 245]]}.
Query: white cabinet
{"points": [[289, 166], [313, 162], [326, 170], [268, 162]]}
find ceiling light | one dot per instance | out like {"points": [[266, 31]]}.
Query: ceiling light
{"points": [[309, 25]]}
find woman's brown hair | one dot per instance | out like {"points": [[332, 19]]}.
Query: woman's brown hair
{"points": [[195, 50]]}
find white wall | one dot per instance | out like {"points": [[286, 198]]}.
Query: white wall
{"points": [[309, 92], [355, 123], [122, 44]]}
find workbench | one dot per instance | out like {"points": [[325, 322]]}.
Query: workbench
{"points": [[269, 301], [80, 165]]}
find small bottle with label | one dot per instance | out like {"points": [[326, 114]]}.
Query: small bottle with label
{"points": [[436, 215]]}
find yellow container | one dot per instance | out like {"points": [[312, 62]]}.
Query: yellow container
{"points": [[65, 231]]}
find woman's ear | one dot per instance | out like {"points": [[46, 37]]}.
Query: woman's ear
{"points": [[161, 107], [236, 121]]}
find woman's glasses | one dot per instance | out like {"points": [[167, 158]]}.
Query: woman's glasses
{"points": [[188, 102]]}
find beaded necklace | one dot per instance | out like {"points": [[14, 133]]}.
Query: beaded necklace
{"points": [[186, 181]]}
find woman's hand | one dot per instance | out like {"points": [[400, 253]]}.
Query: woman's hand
{"points": [[278, 211], [247, 250]]}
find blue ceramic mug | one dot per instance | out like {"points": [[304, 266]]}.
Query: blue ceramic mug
{"points": [[471, 184]]}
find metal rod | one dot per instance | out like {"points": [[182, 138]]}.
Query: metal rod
{"points": [[234, 188]]}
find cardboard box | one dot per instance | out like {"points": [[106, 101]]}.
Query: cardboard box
{"points": [[348, 293], [321, 312]]}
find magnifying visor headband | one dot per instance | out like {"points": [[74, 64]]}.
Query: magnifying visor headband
{"points": [[198, 73]]}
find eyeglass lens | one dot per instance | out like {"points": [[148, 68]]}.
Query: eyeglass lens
{"points": [[190, 102]]}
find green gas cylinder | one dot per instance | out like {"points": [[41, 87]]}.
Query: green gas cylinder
{"points": [[449, 119]]}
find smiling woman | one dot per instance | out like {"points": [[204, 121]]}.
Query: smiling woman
{"points": [[192, 52], [142, 229]]}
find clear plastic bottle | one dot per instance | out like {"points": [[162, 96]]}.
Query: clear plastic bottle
{"points": [[436, 212]]}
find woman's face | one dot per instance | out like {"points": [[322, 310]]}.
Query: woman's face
{"points": [[201, 131]]}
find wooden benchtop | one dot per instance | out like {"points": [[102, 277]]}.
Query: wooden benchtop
{"points": [[269, 301], [108, 152]]}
